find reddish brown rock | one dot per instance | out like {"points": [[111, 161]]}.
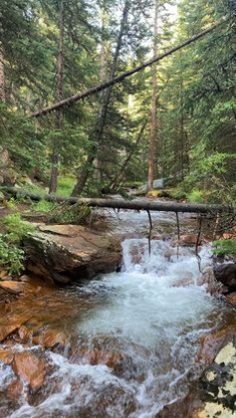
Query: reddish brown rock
{"points": [[30, 368], [6, 330], [188, 240], [94, 357], [211, 344], [6, 355], [231, 299], [230, 234], [15, 389], [51, 338], [63, 253], [11, 286], [24, 334]]}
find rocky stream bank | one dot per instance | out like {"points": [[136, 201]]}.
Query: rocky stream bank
{"points": [[36, 309]]}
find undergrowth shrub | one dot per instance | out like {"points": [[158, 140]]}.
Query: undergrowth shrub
{"points": [[11, 254], [225, 247]]}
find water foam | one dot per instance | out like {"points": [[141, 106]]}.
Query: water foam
{"points": [[152, 313]]}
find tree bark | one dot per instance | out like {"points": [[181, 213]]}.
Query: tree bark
{"points": [[136, 204], [2, 78], [59, 96], [85, 171], [119, 177], [152, 158], [119, 79], [103, 75]]}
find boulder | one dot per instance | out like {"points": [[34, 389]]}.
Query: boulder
{"points": [[226, 274], [30, 368], [63, 253], [189, 240], [211, 344], [15, 389], [12, 286]]}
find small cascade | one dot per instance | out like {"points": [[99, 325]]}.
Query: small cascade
{"points": [[136, 344]]}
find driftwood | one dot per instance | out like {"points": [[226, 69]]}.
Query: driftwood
{"points": [[136, 204], [79, 96]]}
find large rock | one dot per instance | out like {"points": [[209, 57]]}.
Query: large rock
{"points": [[30, 368], [226, 274], [70, 252]]}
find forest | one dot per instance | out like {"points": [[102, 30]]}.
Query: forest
{"points": [[117, 208], [174, 119]]}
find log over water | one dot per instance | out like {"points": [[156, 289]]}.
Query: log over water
{"points": [[136, 204]]}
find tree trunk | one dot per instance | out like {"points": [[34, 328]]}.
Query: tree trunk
{"points": [[85, 171], [120, 175], [103, 75], [2, 78], [59, 96], [136, 204], [69, 101], [152, 158]]}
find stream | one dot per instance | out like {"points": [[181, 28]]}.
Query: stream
{"points": [[133, 334]]}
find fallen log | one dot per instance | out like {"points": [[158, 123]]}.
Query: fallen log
{"points": [[80, 96], [135, 204]]}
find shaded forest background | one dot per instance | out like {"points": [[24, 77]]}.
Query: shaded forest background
{"points": [[180, 114]]}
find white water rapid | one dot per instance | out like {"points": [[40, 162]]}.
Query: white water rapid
{"points": [[145, 321]]}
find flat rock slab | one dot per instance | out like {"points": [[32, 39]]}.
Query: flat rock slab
{"points": [[65, 253], [12, 286]]}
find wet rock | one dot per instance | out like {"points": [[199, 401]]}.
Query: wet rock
{"points": [[51, 338], [6, 355], [188, 240], [231, 299], [218, 385], [226, 274], [211, 344], [6, 330], [24, 334], [209, 280], [15, 389], [11, 286], [30, 368], [95, 357], [63, 253], [184, 408]]}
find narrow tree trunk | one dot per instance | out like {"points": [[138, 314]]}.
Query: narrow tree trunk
{"points": [[103, 75], [182, 153], [120, 175], [2, 78], [152, 158], [84, 173], [59, 96]]}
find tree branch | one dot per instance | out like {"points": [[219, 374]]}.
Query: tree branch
{"points": [[79, 96]]}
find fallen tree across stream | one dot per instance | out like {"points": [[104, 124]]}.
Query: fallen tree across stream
{"points": [[118, 203], [80, 96]]}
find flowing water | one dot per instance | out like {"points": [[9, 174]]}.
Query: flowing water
{"points": [[134, 335]]}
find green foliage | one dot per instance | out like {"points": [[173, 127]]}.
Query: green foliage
{"points": [[16, 229], [195, 196], [11, 253], [69, 214], [43, 206], [11, 256], [65, 185], [225, 247]]}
